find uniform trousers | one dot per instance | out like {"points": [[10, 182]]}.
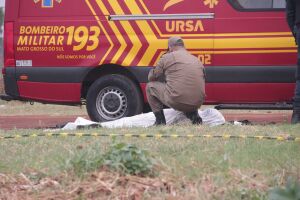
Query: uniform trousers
{"points": [[158, 97]]}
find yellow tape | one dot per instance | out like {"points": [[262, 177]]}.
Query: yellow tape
{"points": [[64, 134], [79, 134], [128, 135], [94, 134], [280, 138], [226, 136], [259, 137], [156, 136]]}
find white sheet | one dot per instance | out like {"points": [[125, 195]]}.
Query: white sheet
{"points": [[210, 116]]}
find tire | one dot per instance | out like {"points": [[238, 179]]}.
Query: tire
{"points": [[112, 97]]}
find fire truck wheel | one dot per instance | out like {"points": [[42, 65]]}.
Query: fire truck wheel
{"points": [[112, 97]]}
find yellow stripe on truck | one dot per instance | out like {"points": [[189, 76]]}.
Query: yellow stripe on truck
{"points": [[150, 36], [246, 43], [137, 45], [116, 32], [103, 29]]}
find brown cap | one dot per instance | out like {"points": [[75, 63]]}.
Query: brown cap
{"points": [[175, 41]]}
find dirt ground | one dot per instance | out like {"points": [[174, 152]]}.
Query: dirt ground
{"points": [[104, 184]]}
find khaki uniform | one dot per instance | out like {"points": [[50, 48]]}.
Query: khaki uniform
{"points": [[184, 86]]}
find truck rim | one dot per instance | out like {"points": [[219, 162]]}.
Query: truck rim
{"points": [[111, 103]]}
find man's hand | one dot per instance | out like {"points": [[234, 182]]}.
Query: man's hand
{"points": [[156, 73], [295, 34]]}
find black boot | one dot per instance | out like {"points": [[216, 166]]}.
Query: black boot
{"points": [[160, 118], [296, 116], [194, 117]]}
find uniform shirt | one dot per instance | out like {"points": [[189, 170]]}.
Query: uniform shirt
{"points": [[293, 13], [293, 18], [184, 76]]}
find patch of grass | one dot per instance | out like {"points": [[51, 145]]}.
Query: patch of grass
{"points": [[14, 108], [218, 168], [84, 162]]}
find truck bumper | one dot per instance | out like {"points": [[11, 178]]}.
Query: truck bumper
{"points": [[5, 97], [10, 84]]}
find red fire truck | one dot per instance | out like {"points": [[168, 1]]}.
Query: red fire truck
{"points": [[99, 52]]}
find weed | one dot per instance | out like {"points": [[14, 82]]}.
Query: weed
{"points": [[129, 159], [291, 191], [124, 158]]}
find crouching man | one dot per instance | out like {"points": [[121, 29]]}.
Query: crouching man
{"points": [[183, 88]]}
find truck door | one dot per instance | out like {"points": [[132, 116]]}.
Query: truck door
{"points": [[254, 55]]}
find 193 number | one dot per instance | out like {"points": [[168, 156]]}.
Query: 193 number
{"points": [[81, 36]]}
